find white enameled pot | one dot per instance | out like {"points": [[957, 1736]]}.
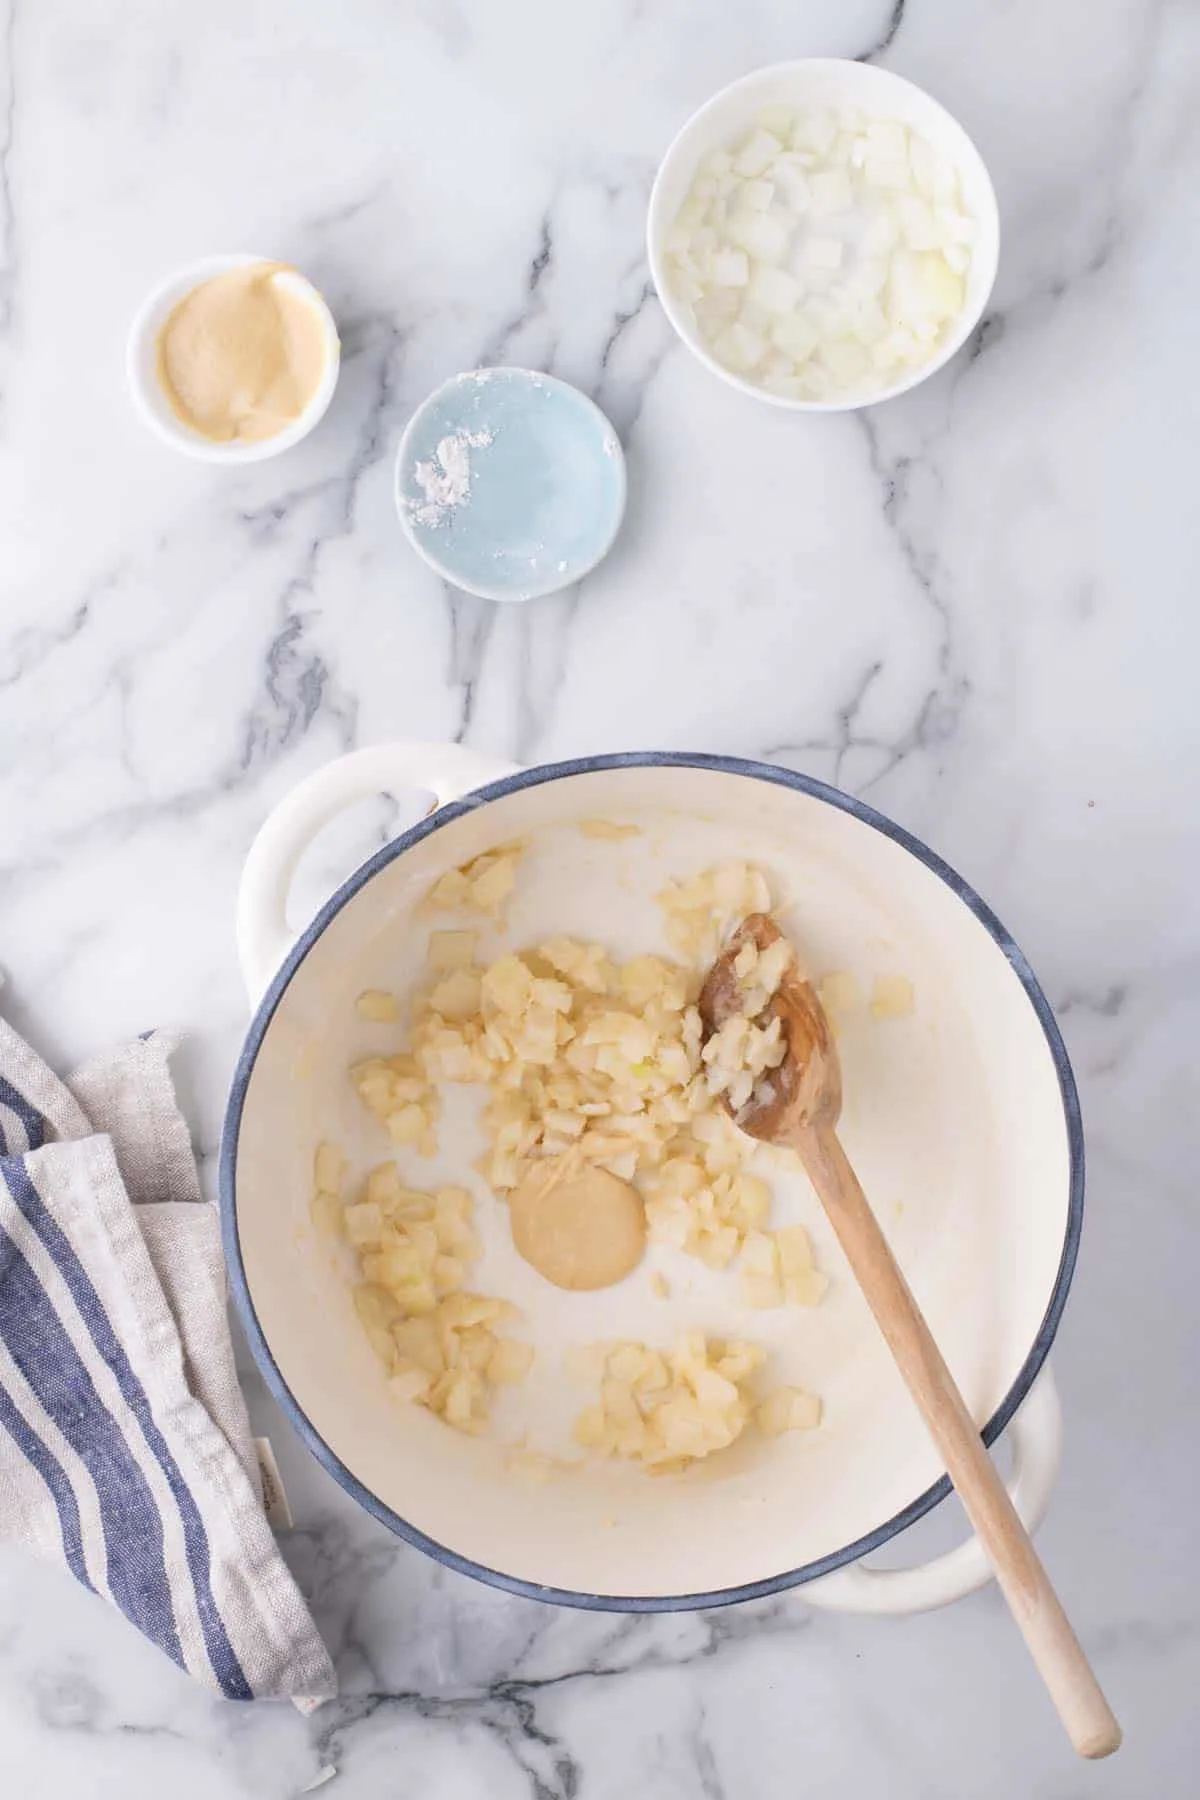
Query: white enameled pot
{"points": [[961, 1119]]}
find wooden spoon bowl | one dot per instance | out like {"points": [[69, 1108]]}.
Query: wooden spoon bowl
{"points": [[807, 1086]]}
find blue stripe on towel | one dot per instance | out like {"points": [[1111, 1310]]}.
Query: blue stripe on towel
{"points": [[63, 1387], [221, 1653], [56, 1479], [30, 1117]]}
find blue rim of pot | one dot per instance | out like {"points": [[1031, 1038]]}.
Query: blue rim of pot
{"points": [[535, 777]]}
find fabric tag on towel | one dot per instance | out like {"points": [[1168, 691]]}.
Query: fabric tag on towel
{"points": [[274, 1499]]}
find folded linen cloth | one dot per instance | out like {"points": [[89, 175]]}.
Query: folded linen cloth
{"points": [[125, 1448]]}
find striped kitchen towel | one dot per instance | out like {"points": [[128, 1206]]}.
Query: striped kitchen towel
{"points": [[125, 1447]]}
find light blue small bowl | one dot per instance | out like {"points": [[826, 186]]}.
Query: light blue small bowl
{"points": [[544, 491]]}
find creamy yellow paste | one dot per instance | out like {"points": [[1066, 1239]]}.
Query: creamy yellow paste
{"points": [[577, 1225], [242, 355]]}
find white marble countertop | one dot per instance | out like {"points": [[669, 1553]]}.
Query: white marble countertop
{"points": [[974, 606]]}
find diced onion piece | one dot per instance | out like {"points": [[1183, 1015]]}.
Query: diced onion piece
{"points": [[717, 308], [739, 348], [383, 1184], [880, 235], [510, 1361], [760, 1291], [787, 1409], [452, 890], [823, 253], [744, 961], [774, 289], [456, 996], [918, 226], [954, 227], [892, 997], [831, 191], [328, 1166], [806, 1288], [888, 138], [483, 884], [942, 288], [377, 1006], [922, 288], [761, 235], [869, 322], [886, 354], [791, 386], [757, 153], [326, 1210], [449, 950], [884, 172], [406, 1125], [793, 1249], [778, 120], [760, 1255], [409, 1383], [846, 361], [756, 196], [494, 885], [419, 1342], [792, 178], [796, 335], [689, 287], [364, 1224], [730, 268], [815, 131], [839, 993]]}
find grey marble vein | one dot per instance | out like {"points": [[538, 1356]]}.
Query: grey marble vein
{"points": [[887, 37]]}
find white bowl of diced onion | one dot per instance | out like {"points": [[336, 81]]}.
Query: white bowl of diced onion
{"points": [[823, 235]]}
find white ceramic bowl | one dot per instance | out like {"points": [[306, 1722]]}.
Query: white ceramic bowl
{"points": [[824, 82], [141, 366], [962, 1122]]}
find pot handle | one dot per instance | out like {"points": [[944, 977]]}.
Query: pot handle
{"points": [[1036, 1438], [264, 937]]}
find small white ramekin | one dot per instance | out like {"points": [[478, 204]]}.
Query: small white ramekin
{"points": [[141, 365], [824, 82]]}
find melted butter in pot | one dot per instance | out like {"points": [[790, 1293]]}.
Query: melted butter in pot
{"points": [[578, 1225]]}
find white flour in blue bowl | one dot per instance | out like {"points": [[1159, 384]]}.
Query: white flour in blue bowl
{"points": [[509, 483]]}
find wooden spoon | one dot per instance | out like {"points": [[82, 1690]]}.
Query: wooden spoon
{"points": [[802, 1111]]}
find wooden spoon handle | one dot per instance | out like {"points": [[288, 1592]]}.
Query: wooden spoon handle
{"points": [[1035, 1606]]}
